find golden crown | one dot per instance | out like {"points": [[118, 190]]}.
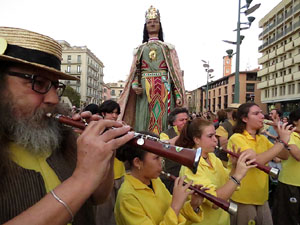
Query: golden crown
{"points": [[152, 13]]}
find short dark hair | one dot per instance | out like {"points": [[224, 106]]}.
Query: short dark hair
{"points": [[93, 108], [277, 111], [172, 115], [294, 116], [109, 106]]}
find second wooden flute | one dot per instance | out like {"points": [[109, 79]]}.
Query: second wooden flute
{"points": [[267, 169], [227, 206]]}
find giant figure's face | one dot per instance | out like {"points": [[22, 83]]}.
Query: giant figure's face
{"points": [[153, 26]]}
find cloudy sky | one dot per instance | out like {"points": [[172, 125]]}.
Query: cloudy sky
{"points": [[111, 29]]}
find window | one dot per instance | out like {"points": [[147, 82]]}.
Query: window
{"points": [[79, 58], [298, 88], [69, 57], [233, 88], [68, 69], [219, 91], [78, 69], [250, 87], [113, 92], [225, 90]]}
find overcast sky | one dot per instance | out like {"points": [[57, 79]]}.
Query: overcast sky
{"points": [[111, 29]]}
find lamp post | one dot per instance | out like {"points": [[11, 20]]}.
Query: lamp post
{"points": [[209, 76], [239, 39]]}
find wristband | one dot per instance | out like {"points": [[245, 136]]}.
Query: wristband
{"points": [[286, 146], [236, 181]]}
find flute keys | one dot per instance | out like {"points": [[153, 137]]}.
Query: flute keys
{"points": [[140, 141]]}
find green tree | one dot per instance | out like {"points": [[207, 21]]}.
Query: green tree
{"points": [[72, 95]]}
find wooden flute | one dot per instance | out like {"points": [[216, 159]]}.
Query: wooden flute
{"points": [[274, 172], [230, 207], [184, 156]]}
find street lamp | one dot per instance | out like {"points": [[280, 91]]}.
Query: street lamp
{"points": [[238, 42], [208, 77]]}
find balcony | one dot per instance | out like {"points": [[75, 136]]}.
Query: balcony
{"points": [[279, 80], [296, 8], [262, 72], [288, 62], [262, 84], [297, 76], [279, 65], [272, 82], [297, 42], [296, 25], [272, 68], [280, 50], [289, 46], [273, 54], [263, 59], [288, 78], [297, 58]]}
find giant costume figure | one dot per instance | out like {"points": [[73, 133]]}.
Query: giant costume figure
{"points": [[155, 83]]}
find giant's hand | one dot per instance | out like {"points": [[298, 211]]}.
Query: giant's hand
{"points": [[95, 148], [138, 90]]}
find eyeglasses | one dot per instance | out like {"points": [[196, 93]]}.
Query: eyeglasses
{"points": [[41, 84]]}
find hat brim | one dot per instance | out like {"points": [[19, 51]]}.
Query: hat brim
{"points": [[60, 75]]}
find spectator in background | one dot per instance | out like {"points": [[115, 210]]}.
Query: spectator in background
{"points": [[93, 108], [110, 110], [177, 119]]}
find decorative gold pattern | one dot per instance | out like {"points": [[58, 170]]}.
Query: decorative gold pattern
{"points": [[153, 54], [152, 13]]}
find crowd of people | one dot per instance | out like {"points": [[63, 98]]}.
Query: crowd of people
{"points": [[55, 174]]}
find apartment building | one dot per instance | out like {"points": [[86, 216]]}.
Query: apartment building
{"points": [[116, 89], [80, 61], [221, 92], [280, 60], [106, 92]]}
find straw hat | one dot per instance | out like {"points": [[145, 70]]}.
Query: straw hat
{"points": [[30, 48]]}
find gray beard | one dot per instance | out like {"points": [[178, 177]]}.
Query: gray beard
{"points": [[38, 134]]}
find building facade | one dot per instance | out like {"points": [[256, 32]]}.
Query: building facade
{"points": [[221, 92], [106, 92], [280, 60], [116, 89], [79, 61]]}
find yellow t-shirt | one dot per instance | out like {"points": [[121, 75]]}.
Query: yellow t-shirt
{"points": [[212, 178], [138, 204], [255, 185], [221, 132], [288, 174], [119, 169], [30, 161], [163, 136]]}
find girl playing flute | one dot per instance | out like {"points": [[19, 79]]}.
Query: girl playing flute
{"points": [[211, 173], [144, 199], [252, 198]]}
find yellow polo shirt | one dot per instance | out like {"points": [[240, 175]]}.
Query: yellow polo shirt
{"points": [[289, 173], [119, 169], [221, 132], [255, 185], [212, 178], [163, 136], [138, 204]]}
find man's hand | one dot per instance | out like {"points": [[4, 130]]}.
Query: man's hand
{"points": [[95, 148]]}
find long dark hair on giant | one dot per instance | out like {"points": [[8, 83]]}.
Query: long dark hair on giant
{"points": [[190, 130], [127, 153], [242, 112], [146, 35]]}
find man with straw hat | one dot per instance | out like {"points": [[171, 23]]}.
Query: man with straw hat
{"points": [[45, 177]]}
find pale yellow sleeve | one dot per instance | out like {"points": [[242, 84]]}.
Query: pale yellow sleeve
{"points": [[188, 212], [221, 132], [163, 136]]}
